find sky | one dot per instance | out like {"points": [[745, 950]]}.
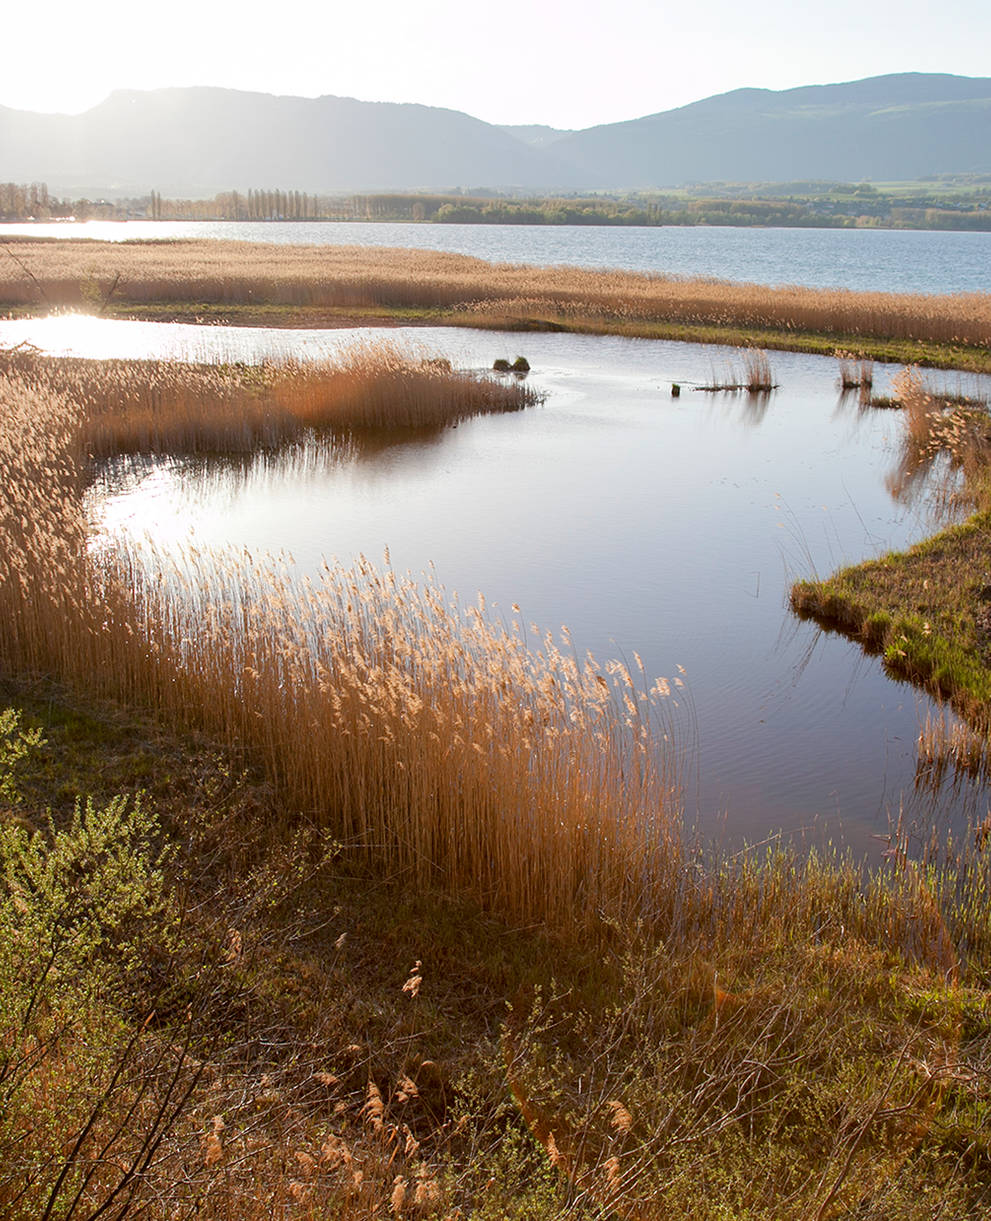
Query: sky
{"points": [[517, 61]]}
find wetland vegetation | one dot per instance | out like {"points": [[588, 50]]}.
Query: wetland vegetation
{"points": [[927, 609], [241, 283], [343, 900]]}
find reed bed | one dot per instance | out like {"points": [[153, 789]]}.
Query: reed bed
{"points": [[412, 728], [951, 434], [73, 274], [164, 406], [418, 730]]}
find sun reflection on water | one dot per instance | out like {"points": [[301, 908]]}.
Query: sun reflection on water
{"points": [[95, 338], [143, 502]]}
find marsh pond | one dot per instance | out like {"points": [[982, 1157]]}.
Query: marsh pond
{"points": [[652, 526]]}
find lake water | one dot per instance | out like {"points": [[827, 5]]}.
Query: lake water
{"points": [[888, 260], [672, 527]]}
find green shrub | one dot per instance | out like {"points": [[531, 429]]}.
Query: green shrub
{"points": [[87, 1089], [15, 746]]}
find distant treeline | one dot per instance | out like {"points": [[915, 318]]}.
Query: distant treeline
{"points": [[811, 205], [708, 212], [31, 201]]}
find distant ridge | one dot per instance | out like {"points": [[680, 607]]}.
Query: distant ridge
{"points": [[539, 135], [886, 128], [198, 141]]}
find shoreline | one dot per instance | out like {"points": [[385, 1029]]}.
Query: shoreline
{"points": [[966, 359]]}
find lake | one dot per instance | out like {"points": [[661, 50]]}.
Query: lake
{"points": [[670, 527], [888, 260]]}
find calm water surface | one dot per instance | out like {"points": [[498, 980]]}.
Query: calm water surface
{"points": [[879, 259], [669, 527]]}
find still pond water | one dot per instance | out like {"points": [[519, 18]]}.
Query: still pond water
{"points": [[888, 260], [672, 527]]}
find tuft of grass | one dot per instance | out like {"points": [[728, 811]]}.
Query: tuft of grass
{"points": [[856, 373], [756, 377], [757, 370]]}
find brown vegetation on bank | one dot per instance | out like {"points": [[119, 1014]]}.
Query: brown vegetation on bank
{"points": [[134, 406], [325, 1041], [85, 274]]}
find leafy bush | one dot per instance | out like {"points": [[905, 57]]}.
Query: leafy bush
{"points": [[15, 745], [86, 1094]]}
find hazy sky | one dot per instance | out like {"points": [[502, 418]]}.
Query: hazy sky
{"points": [[514, 61]]}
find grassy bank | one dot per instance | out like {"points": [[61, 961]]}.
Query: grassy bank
{"points": [[924, 609], [242, 283], [928, 610], [378, 908]]}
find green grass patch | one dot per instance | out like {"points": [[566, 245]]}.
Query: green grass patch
{"points": [[926, 609], [909, 352]]}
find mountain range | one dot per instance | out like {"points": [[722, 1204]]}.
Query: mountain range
{"points": [[195, 142]]}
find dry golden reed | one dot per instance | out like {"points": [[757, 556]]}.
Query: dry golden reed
{"points": [[132, 406], [412, 727], [70, 273], [950, 435]]}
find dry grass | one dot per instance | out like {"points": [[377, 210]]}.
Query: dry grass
{"points": [[757, 368], [74, 273], [756, 377], [856, 373], [162, 406], [943, 430], [946, 747]]}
